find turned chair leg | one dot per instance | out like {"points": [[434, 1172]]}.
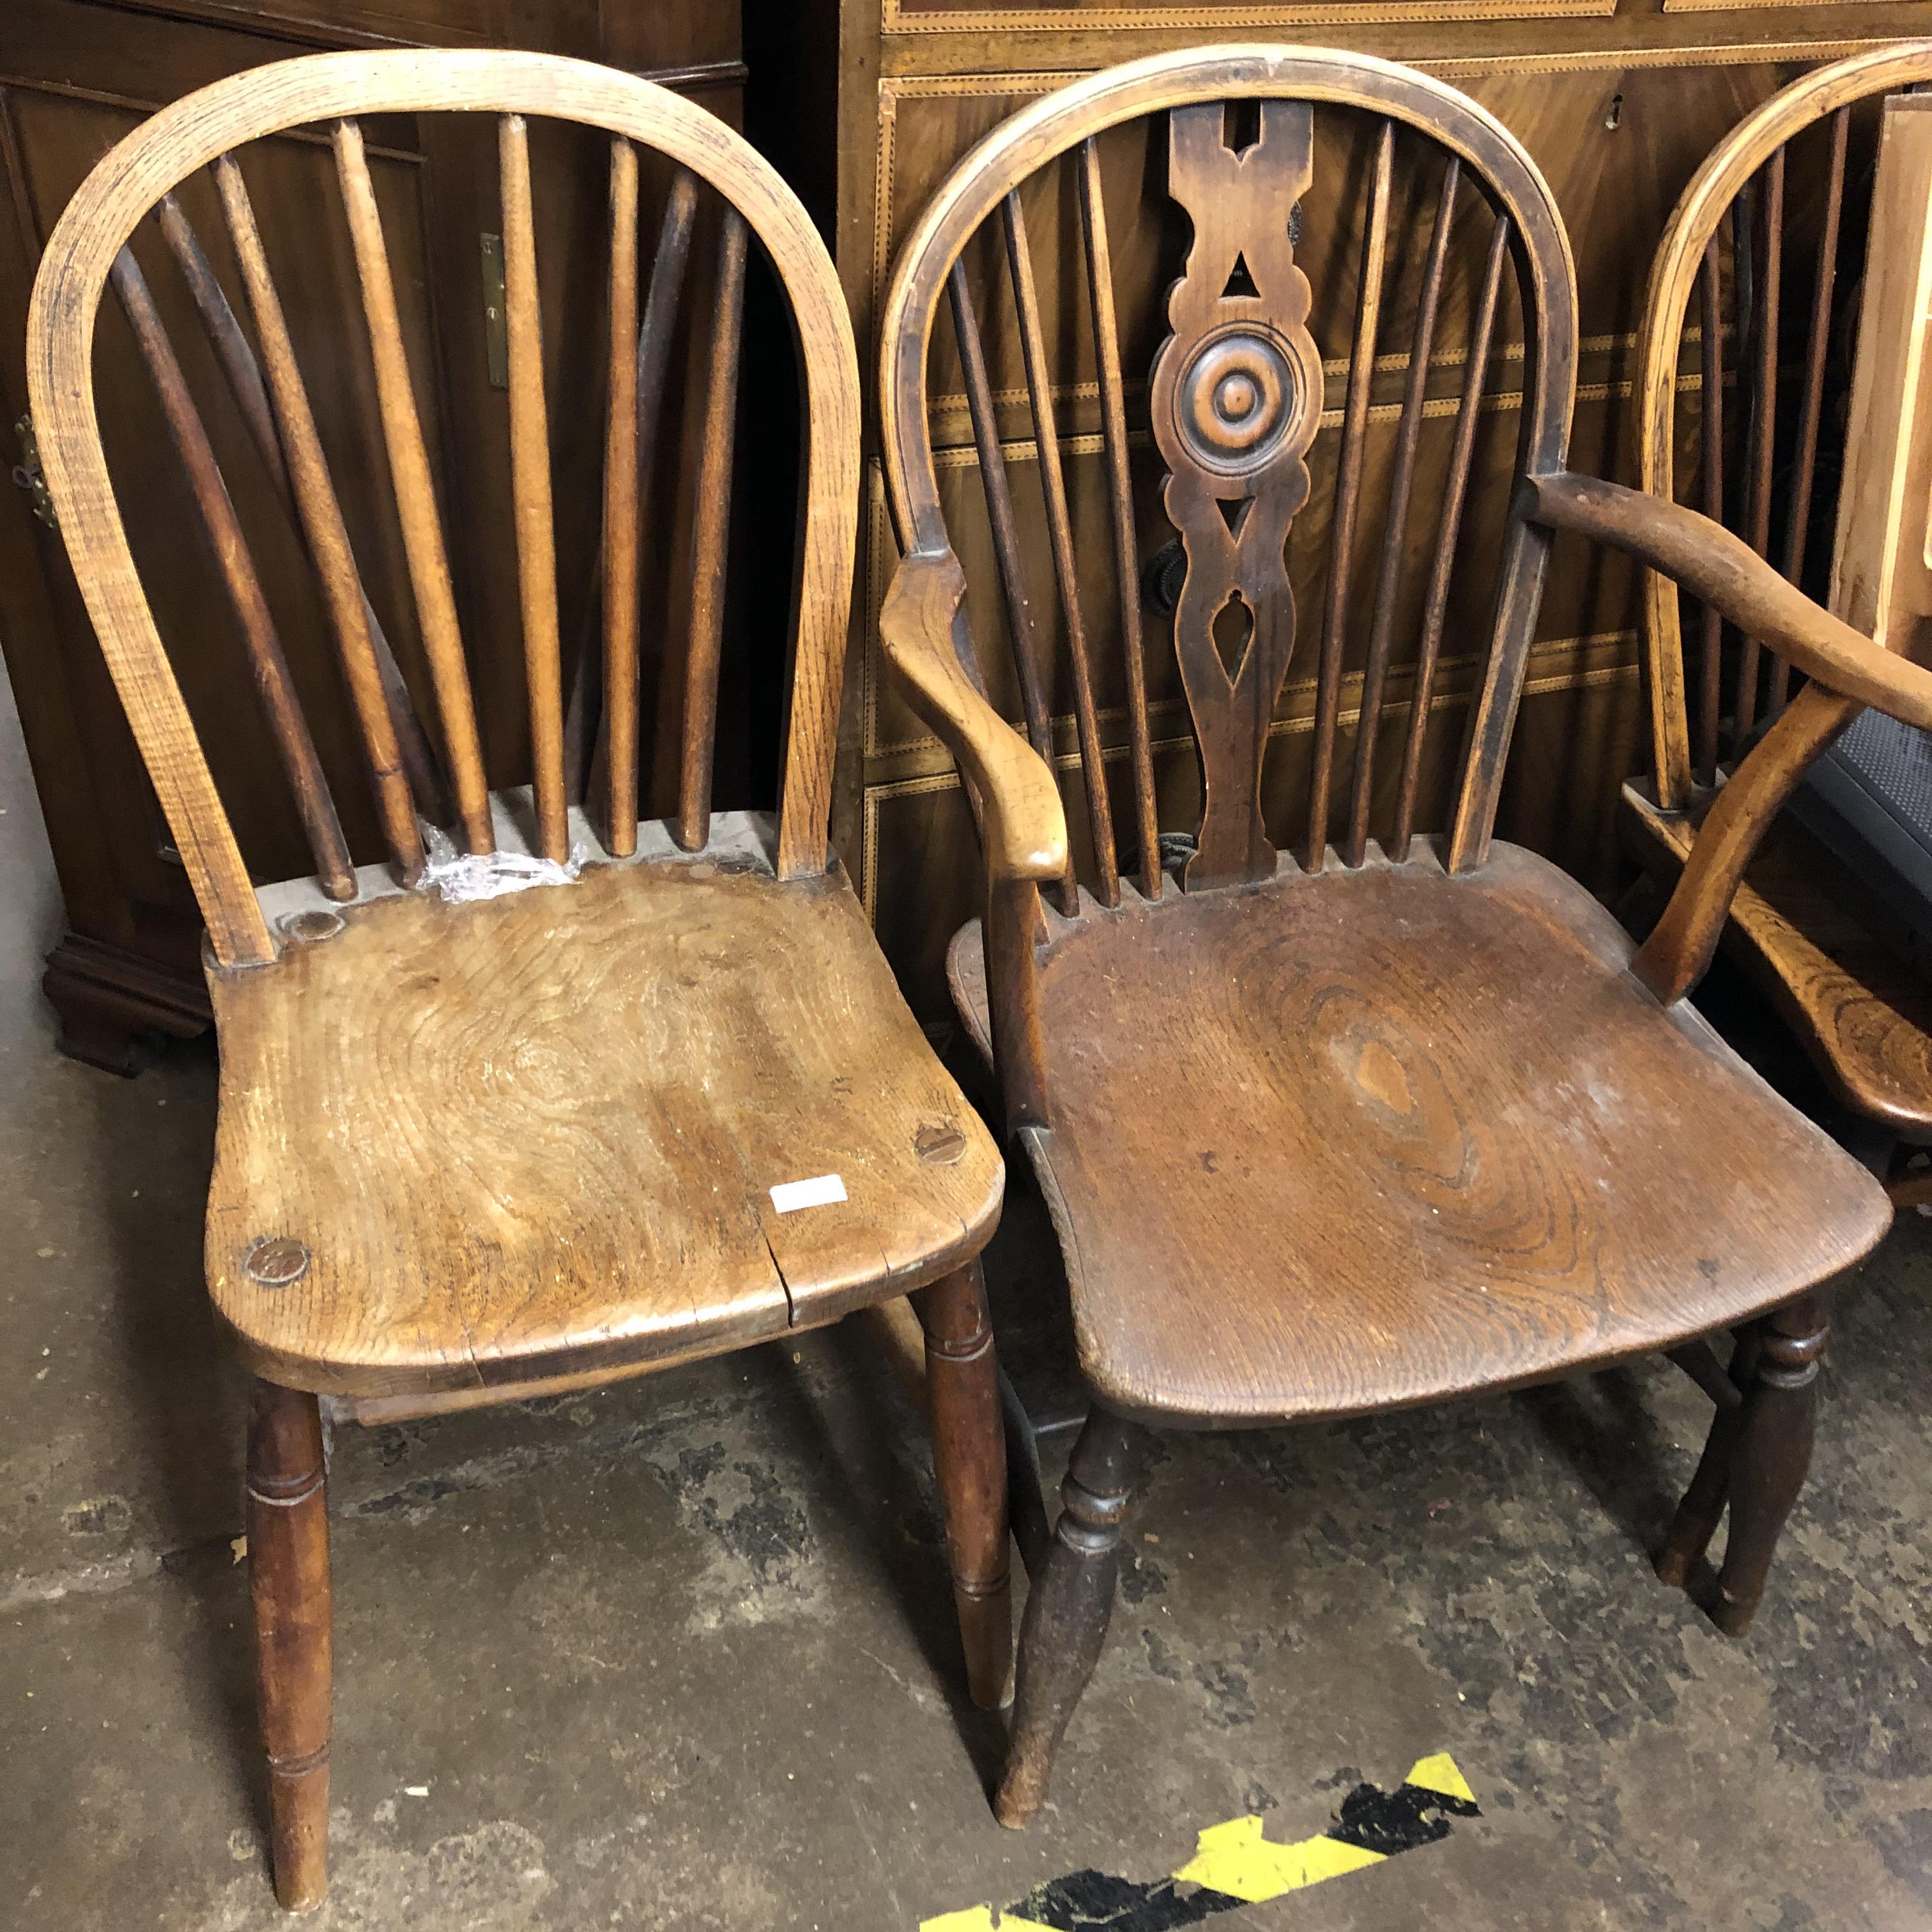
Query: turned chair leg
{"points": [[288, 1578], [1772, 1456], [969, 1453], [1067, 1612], [1702, 1508]]}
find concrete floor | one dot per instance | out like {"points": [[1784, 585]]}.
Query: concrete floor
{"points": [[680, 1655]]}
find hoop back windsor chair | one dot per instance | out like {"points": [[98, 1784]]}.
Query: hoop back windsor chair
{"points": [[1724, 271], [469, 1151], [1343, 1115]]}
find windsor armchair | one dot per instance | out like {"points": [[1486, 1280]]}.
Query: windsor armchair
{"points": [[1806, 931], [476, 1144], [1390, 1114]]}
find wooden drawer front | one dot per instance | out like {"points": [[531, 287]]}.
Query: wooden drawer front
{"points": [[1229, 17]]}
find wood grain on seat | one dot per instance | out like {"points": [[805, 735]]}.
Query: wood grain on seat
{"points": [[1858, 1011], [1367, 1139], [540, 1132]]}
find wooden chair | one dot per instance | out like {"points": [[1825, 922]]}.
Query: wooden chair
{"points": [[666, 1103], [1799, 925], [1382, 1117]]}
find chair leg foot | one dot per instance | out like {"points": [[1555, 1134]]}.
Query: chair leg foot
{"points": [[1067, 1613], [288, 1577], [1772, 1456], [969, 1452], [1702, 1507]]}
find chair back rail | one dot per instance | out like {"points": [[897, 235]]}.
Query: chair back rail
{"points": [[1235, 401], [1737, 209], [89, 251]]}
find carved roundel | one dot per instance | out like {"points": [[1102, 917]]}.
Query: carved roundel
{"points": [[1243, 395]]}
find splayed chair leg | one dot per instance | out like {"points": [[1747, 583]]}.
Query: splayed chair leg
{"points": [[969, 1453], [1067, 1614], [288, 1578], [1773, 1454], [1702, 1507]]}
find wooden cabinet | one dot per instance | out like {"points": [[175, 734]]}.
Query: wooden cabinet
{"points": [[1618, 100], [74, 76]]}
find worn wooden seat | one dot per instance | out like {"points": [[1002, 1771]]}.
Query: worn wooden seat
{"points": [[1732, 440], [1423, 1139], [568, 1078], [539, 1135], [1338, 1103]]}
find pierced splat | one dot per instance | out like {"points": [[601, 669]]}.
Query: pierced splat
{"points": [[1236, 398]]}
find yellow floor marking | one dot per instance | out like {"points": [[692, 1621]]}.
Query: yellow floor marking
{"points": [[1235, 1859], [1439, 1774], [979, 1918]]}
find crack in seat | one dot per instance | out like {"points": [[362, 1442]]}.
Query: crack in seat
{"points": [[1355, 1139]]}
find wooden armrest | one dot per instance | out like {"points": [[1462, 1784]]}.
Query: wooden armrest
{"points": [[1024, 825], [1728, 575]]}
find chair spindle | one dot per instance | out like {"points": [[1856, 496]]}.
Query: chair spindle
{"points": [[1381, 629], [1764, 420], [244, 375], [645, 346], [1811, 410], [708, 537], [1455, 492], [1127, 556], [529, 467], [1347, 495], [1710, 700], [621, 529], [334, 866], [321, 513], [415, 493], [998, 493], [1053, 484]]}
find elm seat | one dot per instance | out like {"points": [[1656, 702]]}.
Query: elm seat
{"points": [[544, 1129], [1447, 1130]]}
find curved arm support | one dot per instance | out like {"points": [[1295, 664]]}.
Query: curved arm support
{"points": [[1848, 672], [1678, 953], [1024, 825], [1727, 573]]}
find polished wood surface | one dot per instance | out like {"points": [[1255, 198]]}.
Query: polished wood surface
{"points": [[557, 1145], [1423, 1154]]}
